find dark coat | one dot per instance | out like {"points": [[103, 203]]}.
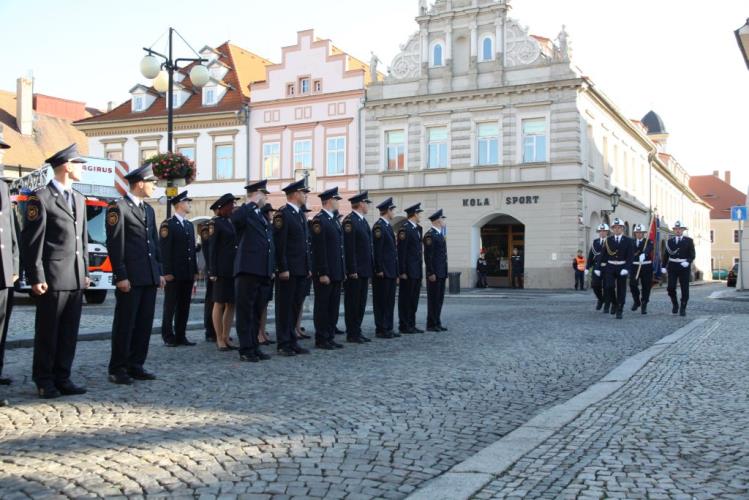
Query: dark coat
{"points": [[357, 238], [435, 254], [133, 243], [256, 250], [222, 241], [8, 239], [645, 247], [385, 251], [55, 240], [409, 251], [684, 250], [617, 253], [595, 255], [177, 241], [327, 247], [290, 235]]}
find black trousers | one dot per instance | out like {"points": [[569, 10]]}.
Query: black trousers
{"points": [[326, 311], [58, 316], [679, 274], [408, 303], [435, 298], [596, 283], [517, 280], [249, 292], [131, 328], [481, 281], [616, 285], [289, 297], [640, 287], [177, 295], [355, 303], [6, 307], [383, 298], [579, 280], [210, 330]]}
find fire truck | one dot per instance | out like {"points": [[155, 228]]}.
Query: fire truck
{"points": [[101, 182]]}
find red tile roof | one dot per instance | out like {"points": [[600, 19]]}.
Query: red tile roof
{"points": [[719, 194]]}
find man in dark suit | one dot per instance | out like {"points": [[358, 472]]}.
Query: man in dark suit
{"points": [[8, 264], [254, 268], [594, 262], [328, 269], [177, 240], [357, 237], [55, 249], [133, 244], [617, 257], [435, 261], [677, 262], [642, 270], [385, 271], [293, 265], [205, 248], [410, 263]]}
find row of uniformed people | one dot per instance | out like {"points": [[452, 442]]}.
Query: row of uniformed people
{"points": [[616, 259]]}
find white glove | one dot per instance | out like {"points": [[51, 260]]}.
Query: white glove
{"points": [[597, 272], [642, 257], [624, 272], [663, 270], [685, 264], [587, 271]]}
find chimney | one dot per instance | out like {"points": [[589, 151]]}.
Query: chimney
{"points": [[110, 106], [727, 177], [716, 174], [24, 105]]}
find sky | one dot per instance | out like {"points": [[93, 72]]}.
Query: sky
{"points": [[679, 58]]}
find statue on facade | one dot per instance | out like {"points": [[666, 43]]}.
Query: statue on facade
{"points": [[373, 62], [563, 42], [423, 7]]}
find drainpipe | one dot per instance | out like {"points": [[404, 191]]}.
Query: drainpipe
{"points": [[363, 102], [246, 108]]}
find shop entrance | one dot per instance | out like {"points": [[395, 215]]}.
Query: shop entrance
{"points": [[498, 237]]}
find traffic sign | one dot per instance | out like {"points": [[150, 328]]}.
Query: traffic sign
{"points": [[738, 213]]}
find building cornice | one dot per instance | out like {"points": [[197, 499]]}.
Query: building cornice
{"points": [[158, 124]]}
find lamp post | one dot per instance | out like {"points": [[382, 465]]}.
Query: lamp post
{"points": [[614, 198], [162, 73]]}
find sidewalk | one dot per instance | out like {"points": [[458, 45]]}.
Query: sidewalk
{"points": [[669, 422]]}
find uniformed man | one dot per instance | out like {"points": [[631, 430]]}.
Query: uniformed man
{"points": [[223, 241], [328, 270], [677, 261], [357, 237], [293, 265], [642, 270], [594, 262], [385, 271], [8, 264], [133, 245], [55, 249], [254, 267], [435, 263], [205, 248], [410, 263], [617, 256]]}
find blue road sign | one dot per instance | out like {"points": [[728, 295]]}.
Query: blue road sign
{"points": [[738, 213]]}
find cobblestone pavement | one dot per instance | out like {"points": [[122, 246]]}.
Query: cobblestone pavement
{"points": [[678, 429], [372, 421]]}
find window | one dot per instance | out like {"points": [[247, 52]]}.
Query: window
{"points": [[114, 155], [188, 151], [736, 235], [146, 153], [224, 155], [317, 85], [336, 155], [437, 55], [272, 160], [437, 148], [534, 140], [396, 149], [712, 236], [488, 144], [175, 100], [138, 103], [487, 49], [209, 96], [290, 90], [304, 85], [303, 154]]}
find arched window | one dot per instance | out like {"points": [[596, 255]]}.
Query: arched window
{"points": [[487, 49], [437, 55]]}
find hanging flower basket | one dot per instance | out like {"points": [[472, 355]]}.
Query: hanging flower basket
{"points": [[174, 167]]}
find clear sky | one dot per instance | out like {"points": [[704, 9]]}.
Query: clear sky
{"points": [[678, 57]]}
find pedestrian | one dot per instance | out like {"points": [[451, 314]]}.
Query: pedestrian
{"points": [[481, 270], [205, 249], [357, 236], [642, 270], [223, 242], [293, 265], [254, 266], [9, 265], [266, 293], [132, 242], [411, 271], [677, 258], [517, 266], [435, 263], [578, 264], [177, 241], [328, 270], [594, 262], [55, 248], [385, 278], [617, 256]]}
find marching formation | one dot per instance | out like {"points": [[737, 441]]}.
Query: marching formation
{"points": [[616, 259]]}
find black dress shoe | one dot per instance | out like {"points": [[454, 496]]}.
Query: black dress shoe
{"points": [[599, 305], [338, 331], [606, 309], [394, 334], [325, 346], [407, 332], [443, 328], [433, 329], [614, 309], [417, 330], [354, 340], [249, 358], [5, 381], [70, 389], [618, 314], [286, 351], [299, 350], [336, 344], [120, 379], [226, 348], [675, 309], [365, 339], [683, 310], [304, 336], [635, 306], [261, 355], [171, 343], [48, 392], [644, 308], [385, 335], [141, 375], [185, 342]]}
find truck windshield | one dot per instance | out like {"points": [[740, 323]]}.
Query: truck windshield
{"points": [[97, 231]]}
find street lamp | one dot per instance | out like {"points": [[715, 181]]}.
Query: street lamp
{"points": [[742, 37], [162, 73], [614, 198]]}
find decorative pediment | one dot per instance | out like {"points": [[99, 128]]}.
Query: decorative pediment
{"points": [[522, 49], [407, 64]]}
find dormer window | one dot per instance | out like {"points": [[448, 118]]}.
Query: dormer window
{"points": [[290, 90], [137, 103], [209, 96], [175, 100], [304, 85], [317, 85]]}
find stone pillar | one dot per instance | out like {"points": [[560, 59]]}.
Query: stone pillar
{"points": [[474, 40], [448, 45]]}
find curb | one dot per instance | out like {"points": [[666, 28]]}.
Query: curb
{"points": [[468, 477]]}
